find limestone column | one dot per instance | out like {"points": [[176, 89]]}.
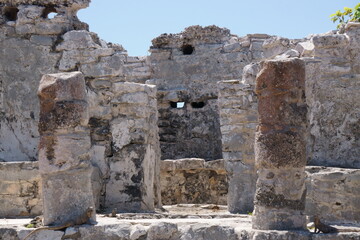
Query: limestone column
{"points": [[64, 159], [280, 153]]}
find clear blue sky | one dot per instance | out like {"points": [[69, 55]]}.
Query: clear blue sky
{"points": [[134, 23]]}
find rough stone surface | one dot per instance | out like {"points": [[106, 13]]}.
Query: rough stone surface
{"points": [[135, 164], [322, 71], [64, 159], [280, 146], [20, 193], [19, 104], [186, 68], [327, 194], [35, 45], [332, 93], [210, 226], [333, 194], [193, 181], [238, 119]]}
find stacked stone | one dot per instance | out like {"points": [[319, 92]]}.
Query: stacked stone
{"points": [[333, 194], [332, 92], [31, 16], [20, 185], [193, 180], [280, 147], [134, 166], [186, 68], [64, 149], [238, 120]]}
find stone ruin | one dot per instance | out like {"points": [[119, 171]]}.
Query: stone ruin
{"points": [[258, 123]]}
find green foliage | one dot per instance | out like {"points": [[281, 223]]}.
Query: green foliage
{"points": [[30, 225], [348, 15]]}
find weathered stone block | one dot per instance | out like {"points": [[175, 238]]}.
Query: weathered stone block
{"points": [[111, 66], [330, 41], [67, 195], [64, 154], [280, 146], [280, 149], [20, 193], [242, 185], [62, 87], [238, 120], [75, 40], [63, 102]]}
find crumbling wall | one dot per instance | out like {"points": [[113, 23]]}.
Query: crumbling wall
{"points": [[333, 194], [332, 91], [238, 119], [192, 180], [35, 44], [27, 39], [20, 189], [332, 88], [123, 119], [134, 166], [186, 68]]}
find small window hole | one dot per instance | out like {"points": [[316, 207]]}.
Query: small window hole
{"points": [[187, 49], [49, 13], [10, 13], [197, 104], [177, 104]]}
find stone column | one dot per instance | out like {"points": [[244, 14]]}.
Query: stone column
{"points": [[64, 159], [280, 153], [238, 121]]}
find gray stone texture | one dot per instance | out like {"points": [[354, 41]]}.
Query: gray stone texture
{"points": [[333, 194], [64, 159], [186, 68], [332, 93], [235, 228], [20, 189], [280, 146], [136, 153], [238, 119], [35, 45], [193, 181], [27, 59]]}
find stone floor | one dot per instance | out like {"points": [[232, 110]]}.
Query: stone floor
{"points": [[178, 222]]}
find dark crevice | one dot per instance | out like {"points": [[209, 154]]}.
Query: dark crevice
{"points": [[10, 13], [187, 49], [197, 104]]}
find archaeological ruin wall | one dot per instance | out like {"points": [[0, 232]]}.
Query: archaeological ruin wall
{"points": [[122, 116], [331, 91], [333, 97], [186, 67], [203, 106]]}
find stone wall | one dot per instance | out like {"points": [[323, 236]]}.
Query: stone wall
{"points": [[186, 68], [134, 166], [333, 194], [20, 189], [332, 92], [36, 44], [238, 119], [193, 180], [331, 62]]}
